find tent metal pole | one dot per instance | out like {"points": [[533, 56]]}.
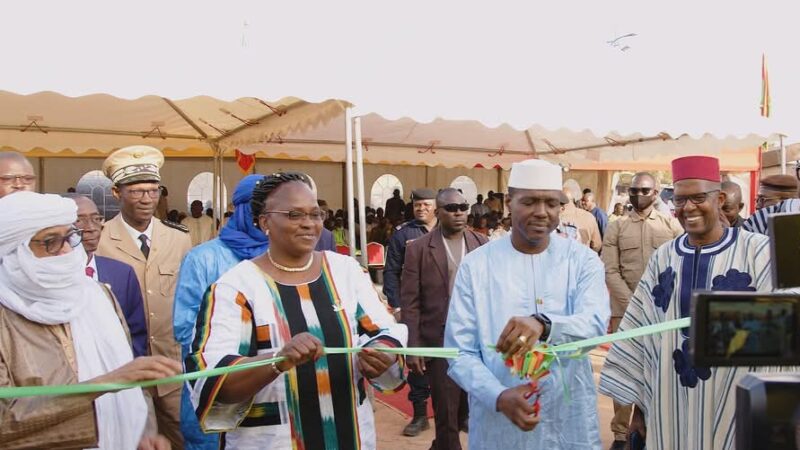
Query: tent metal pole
{"points": [[140, 134], [185, 117], [783, 156], [362, 201], [214, 174], [221, 192], [348, 170]]}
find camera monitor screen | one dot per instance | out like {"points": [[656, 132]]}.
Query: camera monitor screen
{"points": [[745, 329]]}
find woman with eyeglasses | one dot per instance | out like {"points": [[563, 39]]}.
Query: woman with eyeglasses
{"points": [[57, 326], [292, 302]]}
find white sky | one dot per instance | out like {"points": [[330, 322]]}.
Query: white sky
{"points": [[694, 66]]}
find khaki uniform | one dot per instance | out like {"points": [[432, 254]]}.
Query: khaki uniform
{"points": [[157, 277], [628, 244], [586, 224]]}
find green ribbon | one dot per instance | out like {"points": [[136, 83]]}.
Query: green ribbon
{"points": [[90, 388], [590, 343], [619, 336]]}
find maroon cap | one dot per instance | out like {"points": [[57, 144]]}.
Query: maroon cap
{"points": [[696, 168]]}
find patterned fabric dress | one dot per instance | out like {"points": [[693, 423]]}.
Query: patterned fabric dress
{"points": [[320, 405], [685, 407]]}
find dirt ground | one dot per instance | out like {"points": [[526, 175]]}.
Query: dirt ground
{"points": [[390, 422]]}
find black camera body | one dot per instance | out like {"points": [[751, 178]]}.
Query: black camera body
{"points": [[768, 411]]}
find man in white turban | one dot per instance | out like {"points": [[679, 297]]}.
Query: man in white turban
{"points": [[58, 326], [535, 286]]}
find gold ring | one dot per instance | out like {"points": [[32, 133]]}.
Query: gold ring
{"points": [[523, 339]]}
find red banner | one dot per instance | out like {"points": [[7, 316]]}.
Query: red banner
{"points": [[245, 162]]}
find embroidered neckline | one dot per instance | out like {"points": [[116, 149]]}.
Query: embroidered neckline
{"points": [[728, 238]]}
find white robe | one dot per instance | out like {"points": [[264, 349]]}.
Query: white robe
{"points": [[566, 282]]}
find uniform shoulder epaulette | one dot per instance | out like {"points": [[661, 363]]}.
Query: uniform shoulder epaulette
{"points": [[175, 225]]}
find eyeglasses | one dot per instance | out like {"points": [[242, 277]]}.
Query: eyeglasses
{"points": [[296, 216], [137, 194], [453, 207], [10, 179], [54, 244], [640, 191], [85, 221], [680, 200]]}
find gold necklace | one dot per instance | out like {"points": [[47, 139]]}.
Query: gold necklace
{"points": [[291, 269]]}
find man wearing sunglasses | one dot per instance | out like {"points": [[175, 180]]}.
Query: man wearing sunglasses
{"points": [[679, 405], [16, 174], [757, 223], [429, 272], [628, 244], [155, 249], [424, 221], [117, 275]]}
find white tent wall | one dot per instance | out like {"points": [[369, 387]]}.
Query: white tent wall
{"points": [[61, 173]]}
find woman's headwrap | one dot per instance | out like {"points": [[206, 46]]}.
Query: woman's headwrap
{"points": [[26, 213], [240, 234]]}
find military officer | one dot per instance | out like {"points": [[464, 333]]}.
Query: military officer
{"points": [[424, 220], [154, 248]]}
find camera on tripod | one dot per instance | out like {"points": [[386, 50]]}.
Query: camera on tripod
{"points": [[749, 329]]}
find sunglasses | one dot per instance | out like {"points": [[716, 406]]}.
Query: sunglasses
{"points": [[639, 191], [453, 207]]}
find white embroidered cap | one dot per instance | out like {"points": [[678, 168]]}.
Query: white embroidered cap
{"points": [[535, 174]]}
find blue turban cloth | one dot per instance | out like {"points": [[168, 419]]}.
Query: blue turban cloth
{"points": [[240, 234]]}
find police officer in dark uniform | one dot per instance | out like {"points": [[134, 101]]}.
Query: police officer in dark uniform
{"points": [[424, 220]]}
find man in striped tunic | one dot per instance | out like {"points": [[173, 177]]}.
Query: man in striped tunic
{"points": [[679, 405]]}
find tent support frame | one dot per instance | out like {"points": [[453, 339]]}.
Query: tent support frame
{"points": [[348, 171], [362, 216]]}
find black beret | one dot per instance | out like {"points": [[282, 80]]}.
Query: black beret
{"points": [[423, 194]]}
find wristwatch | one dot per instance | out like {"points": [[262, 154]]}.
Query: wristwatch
{"points": [[546, 323]]}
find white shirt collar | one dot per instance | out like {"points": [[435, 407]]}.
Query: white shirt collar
{"points": [[136, 233]]}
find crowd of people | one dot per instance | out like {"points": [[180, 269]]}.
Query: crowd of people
{"points": [[138, 298]]}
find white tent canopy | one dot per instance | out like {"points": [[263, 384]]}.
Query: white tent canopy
{"points": [[691, 68], [54, 123], [451, 143]]}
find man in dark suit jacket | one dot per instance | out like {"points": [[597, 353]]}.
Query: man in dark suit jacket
{"points": [[125, 286], [429, 270], [120, 277]]}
